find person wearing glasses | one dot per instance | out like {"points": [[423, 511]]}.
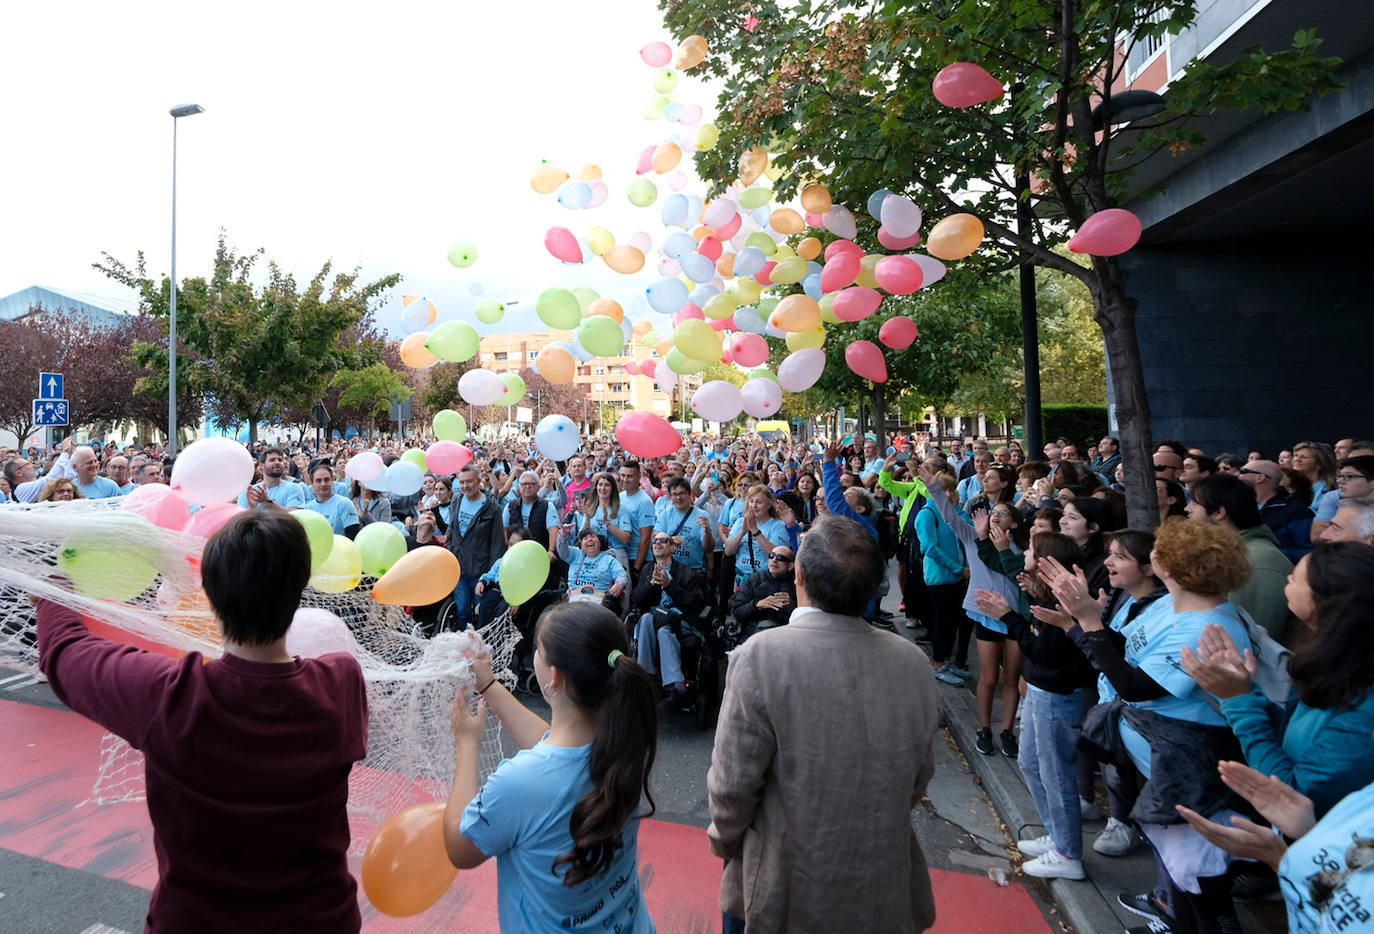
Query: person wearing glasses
{"points": [[768, 596], [1288, 519], [1353, 481], [668, 590], [1168, 465]]}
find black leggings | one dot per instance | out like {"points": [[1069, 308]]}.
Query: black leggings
{"points": [[945, 615], [1211, 912]]}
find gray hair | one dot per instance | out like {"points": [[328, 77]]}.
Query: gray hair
{"points": [[529, 475], [841, 565], [1364, 514]]}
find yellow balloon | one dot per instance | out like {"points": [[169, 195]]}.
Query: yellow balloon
{"points": [[866, 277], [342, 570], [608, 307], [556, 365], [827, 304], [787, 221], [698, 340], [816, 199], [748, 290], [781, 252], [801, 340], [773, 172], [752, 164], [666, 157], [796, 313], [789, 271], [624, 259], [547, 177], [809, 248], [707, 137], [719, 307], [955, 237], [599, 239]]}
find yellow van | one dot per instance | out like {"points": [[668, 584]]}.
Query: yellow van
{"points": [[773, 430]]}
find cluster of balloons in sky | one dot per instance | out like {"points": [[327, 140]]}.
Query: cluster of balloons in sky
{"points": [[735, 272]]}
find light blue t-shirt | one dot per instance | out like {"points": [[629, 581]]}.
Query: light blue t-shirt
{"points": [[286, 495], [467, 511], [1328, 847], [337, 509], [1106, 691], [968, 488], [599, 572], [872, 468], [752, 555], [1326, 505], [637, 509], [692, 551], [521, 817], [99, 488]]}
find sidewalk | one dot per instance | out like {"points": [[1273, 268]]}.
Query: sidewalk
{"points": [[1090, 906]]}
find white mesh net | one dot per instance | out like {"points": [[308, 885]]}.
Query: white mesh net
{"points": [[412, 680]]}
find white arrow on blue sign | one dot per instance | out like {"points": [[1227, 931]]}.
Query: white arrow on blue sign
{"points": [[50, 386], [50, 413]]}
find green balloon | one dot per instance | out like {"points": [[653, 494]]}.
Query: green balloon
{"points": [[761, 240], [454, 341], [601, 335], [585, 296], [415, 456], [765, 307], [462, 254], [682, 364], [106, 570], [524, 569], [656, 108], [558, 308], [319, 532], [665, 81], [515, 389], [489, 311], [762, 372], [642, 192], [752, 198], [450, 426], [381, 545]]}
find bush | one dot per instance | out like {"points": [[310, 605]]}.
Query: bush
{"points": [[1084, 425]]}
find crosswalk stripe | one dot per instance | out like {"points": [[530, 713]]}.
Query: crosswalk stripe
{"points": [[15, 677], [103, 929], [32, 680]]}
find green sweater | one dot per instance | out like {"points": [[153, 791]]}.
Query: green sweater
{"points": [[1262, 595], [903, 491]]}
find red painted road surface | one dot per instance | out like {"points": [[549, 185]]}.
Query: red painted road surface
{"points": [[50, 759]]}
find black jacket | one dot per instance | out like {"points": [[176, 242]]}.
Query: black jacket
{"points": [[478, 550], [539, 517], [686, 589], [1049, 658], [744, 604]]}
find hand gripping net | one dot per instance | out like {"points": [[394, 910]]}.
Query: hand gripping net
{"points": [[411, 680]]}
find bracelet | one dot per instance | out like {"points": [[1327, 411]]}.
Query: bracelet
{"points": [[489, 684]]}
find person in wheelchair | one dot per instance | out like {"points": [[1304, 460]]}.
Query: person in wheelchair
{"points": [[593, 570], [767, 597], [667, 593]]}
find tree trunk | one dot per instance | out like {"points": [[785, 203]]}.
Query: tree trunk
{"points": [[880, 417], [1116, 316]]}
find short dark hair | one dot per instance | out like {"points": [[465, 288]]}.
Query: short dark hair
{"points": [[254, 570], [272, 450], [632, 464], [1204, 463], [841, 564], [1224, 491], [1177, 447], [678, 483], [1364, 463], [1135, 542]]}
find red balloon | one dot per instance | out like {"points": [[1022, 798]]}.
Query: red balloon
{"points": [[723, 324], [765, 275], [731, 227], [560, 242], [645, 434], [711, 248], [1107, 233], [687, 311], [865, 358], [856, 303], [632, 367], [898, 243], [842, 246], [965, 84], [840, 270], [898, 333], [899, 275]]}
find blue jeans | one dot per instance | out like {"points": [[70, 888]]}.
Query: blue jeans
{"points": [[729, 924], [1050, 725], [464, 596], [669, 649]]}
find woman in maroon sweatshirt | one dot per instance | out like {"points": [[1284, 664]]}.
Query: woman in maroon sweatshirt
{"points": [[247, 756]]}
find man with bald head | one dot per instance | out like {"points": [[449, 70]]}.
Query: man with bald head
{"points": [[1288, 519], [118, 470], [88, 480]]}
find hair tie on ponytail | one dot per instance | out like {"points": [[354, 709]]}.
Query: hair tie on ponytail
{"points": [[614, 657]]}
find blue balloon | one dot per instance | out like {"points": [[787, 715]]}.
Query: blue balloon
{"points": [[666, 296], [813, 268], [703, 294], [476, 288], [575, 195], [761, 215], [749, 261], [674, 111], [580, 352], [811, 285], [749, 319], [678, 245], [694, 208], [673, 212], [875, 203], [404, 478], [698, 268]]}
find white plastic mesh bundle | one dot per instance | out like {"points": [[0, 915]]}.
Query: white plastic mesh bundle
{"points": [[412, 680]]}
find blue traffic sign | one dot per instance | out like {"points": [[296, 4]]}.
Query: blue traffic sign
{"points": [[50, 386], [50, 413]]}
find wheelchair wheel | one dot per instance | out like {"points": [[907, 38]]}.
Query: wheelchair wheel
{"points": [[447, 617]]}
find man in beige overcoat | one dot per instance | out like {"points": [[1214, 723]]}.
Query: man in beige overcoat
{"points": [[823, 748]]}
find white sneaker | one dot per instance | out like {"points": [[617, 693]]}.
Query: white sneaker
{"points": [[1036, 846], [1088, 809], [1116, 839], [1050, 865]]}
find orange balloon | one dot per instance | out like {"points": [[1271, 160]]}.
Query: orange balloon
{"points": [[556, 365], [666, 157], [589, 172], [796, 313], [641, 328], [787, 221], [419, 578], [701, 233], [692, 52], [726, 265], [752, 164], [609, 306], [406, 867], [955, 237], [809, 248], [415, 354], [547, 177], [192, 613], [663, 346], [816, 199], [624, 259]]}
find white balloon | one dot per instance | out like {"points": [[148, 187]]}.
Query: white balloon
{"points": [[762, 397], [481, 387], [212, 470], [404, 478], [717, 401], [415, 317], [315, 632], [364, 467], [839, 220], [932, 269], [556, 437], [900, 216], [600, 191], [799, 371], [666, 377], [719, 212]]}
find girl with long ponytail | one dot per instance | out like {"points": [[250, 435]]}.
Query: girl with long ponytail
{"points": [[562, 816]]}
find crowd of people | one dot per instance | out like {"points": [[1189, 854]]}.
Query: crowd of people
{"points": [[1212, 673]]}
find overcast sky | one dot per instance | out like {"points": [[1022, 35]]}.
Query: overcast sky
{"points": [[371, 135]]}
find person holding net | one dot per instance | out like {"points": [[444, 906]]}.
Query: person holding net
{"points": [[247, 756]]}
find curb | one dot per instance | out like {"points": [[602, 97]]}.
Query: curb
{"points": [[1083, 905]]}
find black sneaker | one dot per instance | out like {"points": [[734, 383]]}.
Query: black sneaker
{"points": [[1009, 747], [1143, 905], [922, 634], [984, 741]]}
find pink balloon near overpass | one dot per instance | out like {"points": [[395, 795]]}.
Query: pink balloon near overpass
{"points": [[645, 434]]}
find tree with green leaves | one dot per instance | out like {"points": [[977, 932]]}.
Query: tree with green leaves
{"points": [[253, 349], [842, 90], [366, 395]]}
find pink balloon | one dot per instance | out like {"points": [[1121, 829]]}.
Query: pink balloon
{"points": [[157, 503], [687, 311], [762, 397], [678, 180], [815, 220], [563, 245], [669, 268], [600, 192], [690, 114], [730, 228], [645, 164], [749, 349], [212, 470], [932, 270], [898, 333], [765, 275], [965, 84], [899, 275], [856, 303], [717, 401], [656, 54], [839, 220], [1107, 233], [897, 243], [726, 356], [447, 457], [365, 466], [711, 248], [841, 246], [840, 271], [648, 367], [632, 367], [641, 241], [724, 324], [645, 434], [865, 358], [210, 519], [900, 216]]}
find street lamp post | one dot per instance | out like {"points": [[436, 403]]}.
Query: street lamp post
{"points": [[185, 110]]}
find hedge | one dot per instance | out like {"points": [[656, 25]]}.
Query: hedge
{"points": [[1084, 425]]}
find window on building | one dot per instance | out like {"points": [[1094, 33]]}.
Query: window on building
{"points": [[501, 356], [1143, 51], [601, 371]]}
